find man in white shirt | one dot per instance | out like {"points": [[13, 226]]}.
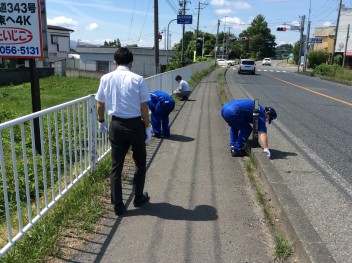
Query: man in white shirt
{"points": [[124, 95], [183, 91]]}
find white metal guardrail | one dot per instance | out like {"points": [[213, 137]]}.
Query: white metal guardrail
{"points": [[32, 183], [70, 146]]}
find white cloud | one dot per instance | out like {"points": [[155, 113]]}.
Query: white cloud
{"points": [[328, 23], [237, 4], [241, 5], [63, 21], [295, 23], [223, 11], [92, 26]]}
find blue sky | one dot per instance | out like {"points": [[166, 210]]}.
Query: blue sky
{"points": [[132, 21]]}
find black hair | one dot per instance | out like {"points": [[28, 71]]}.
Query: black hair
{"points": [[178, 77], [123, 56]]}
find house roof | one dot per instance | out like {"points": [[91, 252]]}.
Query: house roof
{"points": [[59, 28]]}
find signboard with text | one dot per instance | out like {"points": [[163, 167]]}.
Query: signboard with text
{"points": [[316, 40], [184, 19], [20, 29]]}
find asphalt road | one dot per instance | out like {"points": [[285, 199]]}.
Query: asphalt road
{"points": [[310, 144]]}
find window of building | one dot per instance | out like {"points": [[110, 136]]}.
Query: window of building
{"points": [[103, 66], [54, 39]]}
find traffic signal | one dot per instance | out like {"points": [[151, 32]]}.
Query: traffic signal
{"points": [[281, 28]]}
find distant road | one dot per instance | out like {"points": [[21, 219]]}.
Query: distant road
{"points": [[318, 112]]}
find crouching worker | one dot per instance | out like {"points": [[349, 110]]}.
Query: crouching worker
{"points": [[183, 91], [239, 115], [161, 105]]}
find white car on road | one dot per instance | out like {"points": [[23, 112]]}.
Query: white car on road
{"points": [[222, 62], [266, 62]]}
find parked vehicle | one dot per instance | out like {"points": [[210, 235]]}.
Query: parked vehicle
{"points": [[247, 65], [221, 62], [266, 62], [231, 62]]}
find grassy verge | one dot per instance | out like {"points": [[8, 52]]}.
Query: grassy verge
{"points": [[75, 214], [221, 87], [283, 249], [16, 101]]}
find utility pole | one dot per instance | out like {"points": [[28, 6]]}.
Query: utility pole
{"points": [[307, 41], [183, 37], [197, 27], [306, 48], [223, 40], [156, 36], [301, 41], [336, 30], [227, 44], [216, 43], [197, 32], [347, 36]]}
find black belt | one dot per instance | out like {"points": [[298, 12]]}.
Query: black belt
{"points": [[114, 118]]}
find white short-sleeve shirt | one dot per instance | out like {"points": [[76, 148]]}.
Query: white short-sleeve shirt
{"points": [[122, 91], [184, 86]]}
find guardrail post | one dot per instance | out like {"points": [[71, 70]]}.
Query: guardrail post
{"points": [[92, 131], [255, 142]]}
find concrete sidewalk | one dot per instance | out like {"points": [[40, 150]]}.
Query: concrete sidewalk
{"points": [[202, 207]]}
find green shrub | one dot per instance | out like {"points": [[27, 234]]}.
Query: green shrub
{"points": [[317, 57], [328, 70]]}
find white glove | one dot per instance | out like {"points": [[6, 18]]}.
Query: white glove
{"points": [[103, 128], [267, 152], [148, 132]]}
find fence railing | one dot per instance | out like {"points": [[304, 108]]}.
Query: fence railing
{"points": [[36, 174]]}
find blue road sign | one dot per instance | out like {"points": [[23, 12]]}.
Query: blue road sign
{"points": [[316, 40], [184, 19]]}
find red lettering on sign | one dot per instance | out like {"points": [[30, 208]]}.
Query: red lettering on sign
{"points": [[14, 35]]}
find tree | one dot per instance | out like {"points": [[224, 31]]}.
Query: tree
{"points": [[284, 50], [258, 39], [118, 43], [296, 51], [115, 43]]}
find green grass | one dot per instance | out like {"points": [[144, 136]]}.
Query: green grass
{"points": [[221, 88], [75, 214], [283, 248], [16, 101]]}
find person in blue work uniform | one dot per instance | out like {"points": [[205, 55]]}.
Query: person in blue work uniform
{"points": [[161, 105], [239, 115]]}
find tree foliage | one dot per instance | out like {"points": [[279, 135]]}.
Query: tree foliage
{"points": [[284, 50], [259, 42], [115, 43]]}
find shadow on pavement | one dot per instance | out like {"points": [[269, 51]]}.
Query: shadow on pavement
{"points": [[179, 138], [275, 154], [175, 212]]}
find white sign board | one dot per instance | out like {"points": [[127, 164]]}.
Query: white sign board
{"points": [[20, 29]]}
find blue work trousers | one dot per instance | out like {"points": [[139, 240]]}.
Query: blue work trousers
{"points": [[239, 132], [160, 120]]}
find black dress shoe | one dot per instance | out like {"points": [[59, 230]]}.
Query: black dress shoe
{"points": [[119, 209], [237, 154], [138, 201]]}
